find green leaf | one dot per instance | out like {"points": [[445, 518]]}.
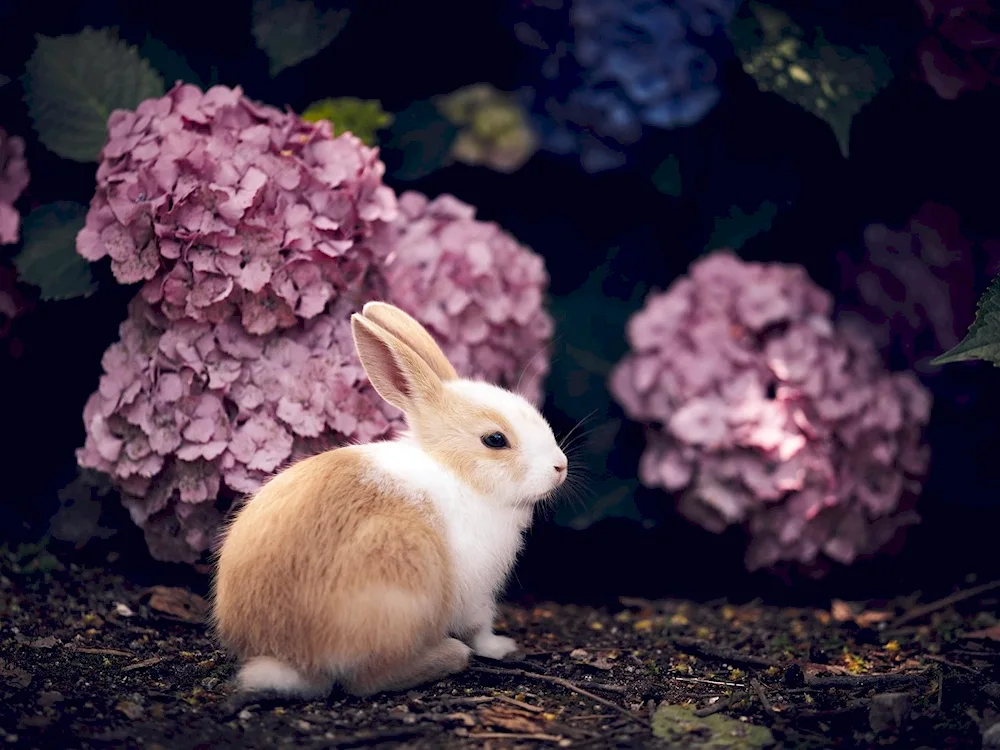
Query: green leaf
{"points": [[73, 82], [291, 31], [832, 82], [362, 117], [423, 137], [983, 338], [681, 728], [590, 324], [735, 230], [171, 63], [667, 177], [49, 259]]}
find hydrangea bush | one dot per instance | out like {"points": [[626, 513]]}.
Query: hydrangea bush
{"points": [[221, 205], [188, 412], [14, 178], [761, 412], [257, 235], [610, 67]]}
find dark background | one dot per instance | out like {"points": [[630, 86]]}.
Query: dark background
{"points": [[908, 146]]}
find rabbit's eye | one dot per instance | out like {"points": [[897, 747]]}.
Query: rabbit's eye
{"points": [[495, 440]]}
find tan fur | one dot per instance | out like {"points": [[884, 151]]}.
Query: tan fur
{"points": [[452, 434], [400, 375], [408, 330], [435, 416], [307, 562]]}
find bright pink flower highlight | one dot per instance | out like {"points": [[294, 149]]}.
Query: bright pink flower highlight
{"points": [[761, 412]]}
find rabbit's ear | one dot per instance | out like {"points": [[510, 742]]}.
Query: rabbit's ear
{"points": [[409, 331], [398, 373]]}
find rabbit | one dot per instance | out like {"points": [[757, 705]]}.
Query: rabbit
{"points": [[377, 566]]}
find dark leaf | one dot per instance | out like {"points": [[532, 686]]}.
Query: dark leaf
{"points": [[423, 137], [983, 338], [169, 62], [830, 81], [178, 603], [291, 31], [74, 82], [734, 230], [667, 177], [49, 259]]}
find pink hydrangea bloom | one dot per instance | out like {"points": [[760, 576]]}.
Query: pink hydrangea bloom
{"points": [[761, 412], [224, 206], [477, 290], [916, 286], [14, 179], [189, 413]]}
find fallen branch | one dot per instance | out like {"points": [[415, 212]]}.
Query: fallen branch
{"points": [[722, 704], [562, 682], [762, 696], [700, 648], [537, 736], [703, 681], [925, 609], [102, 651], [949, 663], [879, 681]]}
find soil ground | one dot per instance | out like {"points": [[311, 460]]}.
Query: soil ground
{"points": [[89, 659]]}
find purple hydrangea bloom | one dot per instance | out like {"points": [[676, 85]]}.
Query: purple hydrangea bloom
{"points": [[222, 205], [190, 412], [915, 289], [477, 290], [14, 179], [761, 412]]}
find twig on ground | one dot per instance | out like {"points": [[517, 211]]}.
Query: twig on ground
{"points": [[519, 704], [762, 696], [722, 704], [588, 717], [700, 648], [975, 654], [102, 651], [572, 686], [827, 714], [462, 700], [363, 739], [143, 664], [704, 681], [602, 737], [537, 736], [845, 681], [949, 663], [925, 609]]}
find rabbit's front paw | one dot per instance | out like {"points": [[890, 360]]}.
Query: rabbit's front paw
{"points": [[493, 646]]}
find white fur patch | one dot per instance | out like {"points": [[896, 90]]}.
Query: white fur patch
{"points": [[483, 536], [265, 673]]}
